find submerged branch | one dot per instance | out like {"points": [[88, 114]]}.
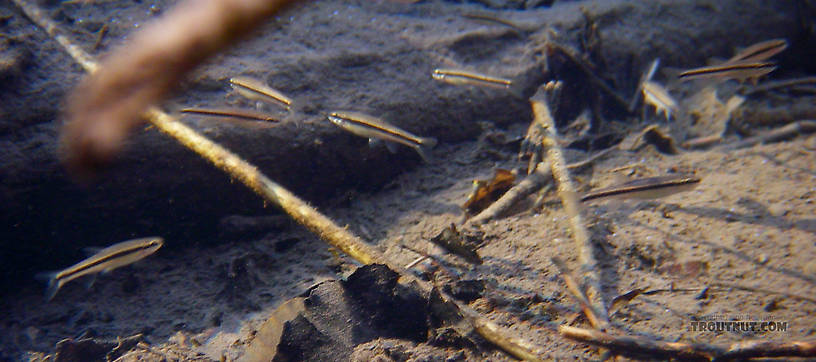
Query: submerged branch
{"points": [[530, 184], [642, 346], [788, 131], [569, 197]]}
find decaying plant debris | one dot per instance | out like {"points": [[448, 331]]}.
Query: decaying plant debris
{"points": [[486, 192], [460, 317]]}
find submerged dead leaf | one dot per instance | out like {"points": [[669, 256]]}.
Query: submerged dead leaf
{"points": [[453, 241], [486, 192]]}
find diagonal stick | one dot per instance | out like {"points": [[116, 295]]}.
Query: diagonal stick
{"points": [[569, 197]]}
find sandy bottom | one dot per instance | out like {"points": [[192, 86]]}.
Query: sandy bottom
{"points": [[750, 223]]}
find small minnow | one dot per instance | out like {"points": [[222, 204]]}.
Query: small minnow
{"points": [[660, 98], [235, 113], [739, 71], [373, 128], [646, 76], [646, 188], [760, 51], [463, 77], [103, 261], [257, 90], [490, 19]]}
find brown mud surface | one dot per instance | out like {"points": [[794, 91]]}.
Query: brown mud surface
{"points": [[750, 224]]}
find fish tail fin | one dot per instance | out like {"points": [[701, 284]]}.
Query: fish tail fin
{"points": [[424, 148], [53, 284], [428, 142]]}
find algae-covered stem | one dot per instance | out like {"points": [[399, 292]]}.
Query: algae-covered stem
{"points": [[222, 158], [569, 197], [304, 214]]}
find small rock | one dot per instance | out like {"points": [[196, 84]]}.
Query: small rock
{"points": [[810, 269], [773, 305], [778, 209], [703, 294], [467, 290]]}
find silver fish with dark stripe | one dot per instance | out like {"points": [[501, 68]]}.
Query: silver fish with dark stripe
{"points": [[740, 71], [103, 261], [460, 76], [646, 188], [374, 128], [234, 113], [659, 97], [760, 51], [258, 90]]}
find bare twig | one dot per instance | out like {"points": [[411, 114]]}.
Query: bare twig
{"points": [[591, 159], [432, 259], [530, 184], [641, 346], [628, 345], [781, 133], [767, 86], [514, 346], [702, 142], [416, 261], [754, 349], [531, 144], [576, 292], [569, 197], [239, 169], [750, 117]]}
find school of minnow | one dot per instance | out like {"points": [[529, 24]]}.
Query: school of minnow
{"points": [[750, 63]]}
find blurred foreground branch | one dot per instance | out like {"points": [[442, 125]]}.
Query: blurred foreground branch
{"points": [[111, 101]]}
